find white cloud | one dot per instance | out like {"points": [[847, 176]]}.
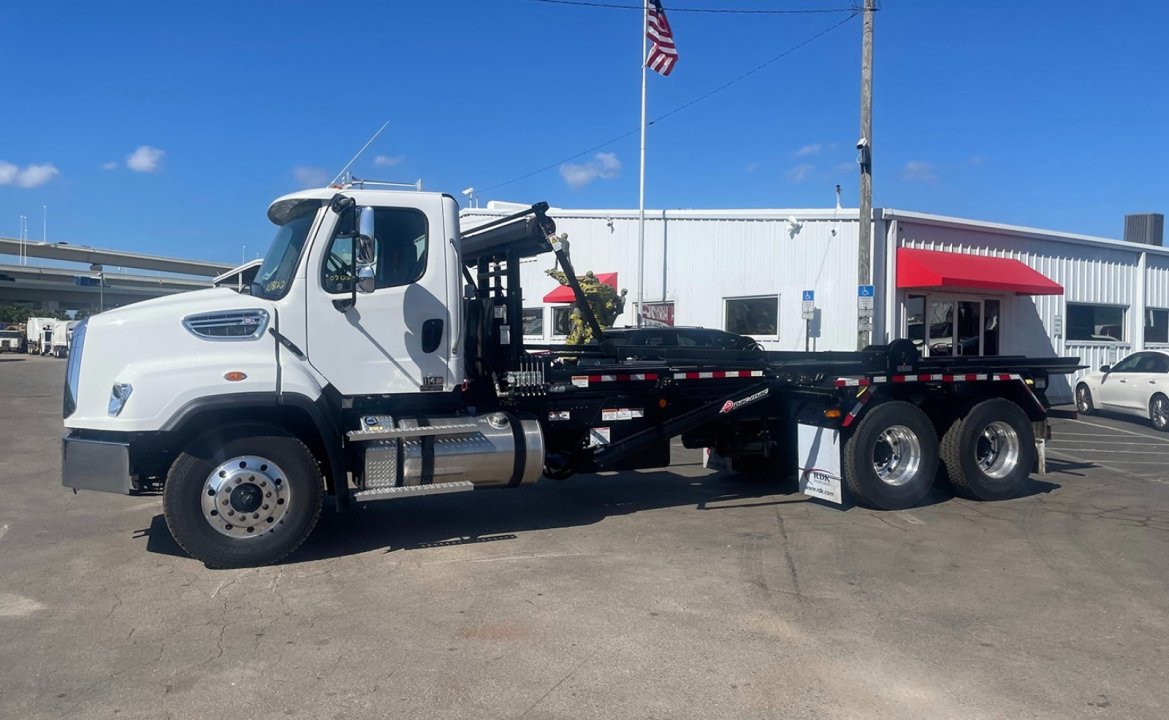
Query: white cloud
{"points": [[37, 175], [807, 150], [146, 159], [111, 165], [30, 176], [311, 176], [919, 171], [605, 166], [800, 173], [388, 160], [845, 167]]}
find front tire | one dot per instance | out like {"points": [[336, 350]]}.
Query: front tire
{"points": [[1159, 412], [1084, 399], [990, 452], [243, 496], [891, 460]]}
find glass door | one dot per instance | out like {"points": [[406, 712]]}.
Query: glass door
{"points": [[942, 325]]}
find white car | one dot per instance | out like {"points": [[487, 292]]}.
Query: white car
{"points": [[1137, 385]]}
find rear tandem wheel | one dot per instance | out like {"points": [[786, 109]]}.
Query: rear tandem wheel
{"points": [[892, 458], [990, 452]]}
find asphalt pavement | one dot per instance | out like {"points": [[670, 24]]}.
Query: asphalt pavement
{"points": [[674, 593]]}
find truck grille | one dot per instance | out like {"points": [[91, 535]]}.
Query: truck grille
{"points": [[228, 325]]}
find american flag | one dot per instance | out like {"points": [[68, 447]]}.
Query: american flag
{"points": [[662, 54]]}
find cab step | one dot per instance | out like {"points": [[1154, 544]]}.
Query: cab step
{"points": [[409, 432], [390, 493]]}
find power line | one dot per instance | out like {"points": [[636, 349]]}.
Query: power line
{"points": [[678, 109], [724, 11]]}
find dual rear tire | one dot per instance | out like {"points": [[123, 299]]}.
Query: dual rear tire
{"points": [[893, 457]]}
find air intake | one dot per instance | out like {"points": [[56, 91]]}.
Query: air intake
{"points": [[228, 325], [1146, 228]]}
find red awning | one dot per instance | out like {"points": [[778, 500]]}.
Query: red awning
{"points": [[563, 294], [933, 269]]}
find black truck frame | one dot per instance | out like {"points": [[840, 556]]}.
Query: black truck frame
{"points": [[896, 416]]}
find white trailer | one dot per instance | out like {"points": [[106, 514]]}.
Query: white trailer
{"points": [[39, 333], [62, 337]]}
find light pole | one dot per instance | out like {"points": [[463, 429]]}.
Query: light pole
{"points": [[101, 286]]}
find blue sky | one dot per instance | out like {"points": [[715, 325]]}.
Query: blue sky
{"points": [[168, 127]]}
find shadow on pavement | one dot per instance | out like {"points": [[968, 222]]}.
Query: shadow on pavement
{"points": [[487, 516]]}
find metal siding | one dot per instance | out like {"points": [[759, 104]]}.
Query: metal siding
{"points": [[698, 258]]}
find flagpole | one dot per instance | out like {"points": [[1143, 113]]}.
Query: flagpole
{"points": [[641, 182]]}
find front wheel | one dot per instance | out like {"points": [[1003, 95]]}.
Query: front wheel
{"points": [[891, 460], [1084, 399], [1159, 412], [243, 496]]}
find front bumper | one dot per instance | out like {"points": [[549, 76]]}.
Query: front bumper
{"points": [[96, 465]]}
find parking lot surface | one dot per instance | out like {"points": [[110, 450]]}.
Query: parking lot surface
{"points": [[675, 593]]}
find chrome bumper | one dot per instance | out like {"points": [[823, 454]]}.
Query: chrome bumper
{"points": [[96, 465]]}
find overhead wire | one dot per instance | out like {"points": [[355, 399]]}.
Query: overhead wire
{"points": [[678, 109], [723, 11]]}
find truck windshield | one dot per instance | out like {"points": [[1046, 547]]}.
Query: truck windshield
{"points": [[275, 273]]}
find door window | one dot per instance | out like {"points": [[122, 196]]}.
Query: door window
{"points": [[1132, 363], [969, 327], [990, 327], [401, 235], [941, 327]]}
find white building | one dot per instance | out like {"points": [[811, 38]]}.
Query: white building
{"points": [[1030, 292]]}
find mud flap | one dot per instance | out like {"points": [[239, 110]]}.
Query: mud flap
{"points": [[820, 463]]}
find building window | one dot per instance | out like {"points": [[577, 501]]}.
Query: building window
{"points": [[562, 320], [1104, 323], [1157, 325], [534, 322], [752, 315]]}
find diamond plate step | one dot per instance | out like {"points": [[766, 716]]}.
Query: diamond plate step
{"points": [[413, 490], [394, 433]]}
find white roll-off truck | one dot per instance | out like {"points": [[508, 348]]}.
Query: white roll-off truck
{"points": [[379, 354]]}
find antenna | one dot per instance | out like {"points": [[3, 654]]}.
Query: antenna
{"points": [[363, 147]]}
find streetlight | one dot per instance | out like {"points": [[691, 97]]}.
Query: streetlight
{"points": [[101, 285]]}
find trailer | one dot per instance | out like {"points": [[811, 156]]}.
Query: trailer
{"points": [[39, 335], [61, 338], [379, 354]]}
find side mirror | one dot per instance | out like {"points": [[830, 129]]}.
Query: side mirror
{"points": [[1105, 368], [365, 223], [366, 282]]}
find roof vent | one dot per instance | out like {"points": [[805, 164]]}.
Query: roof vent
{"points": [[1146, 228]]}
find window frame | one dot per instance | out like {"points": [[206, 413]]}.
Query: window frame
{"points": [[1148, 313], [757, 336], [1124, 319], [543, 321], [334, 236]]}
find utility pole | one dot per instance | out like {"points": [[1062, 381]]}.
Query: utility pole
{"points": [[864, 148]]}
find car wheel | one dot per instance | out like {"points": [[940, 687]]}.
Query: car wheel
{"points": [[1159, 412], [1084, 399]]}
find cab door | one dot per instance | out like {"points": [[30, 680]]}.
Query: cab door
{"points": [[395, 339]]}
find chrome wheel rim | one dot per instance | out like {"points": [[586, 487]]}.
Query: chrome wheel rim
{"points": [[997, 450], [246, 496], [1083, 399], [1160, 412], [897, 455]]}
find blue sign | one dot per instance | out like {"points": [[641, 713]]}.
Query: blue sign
{"points": [[86, 281], [864, 291], [809, 296]]}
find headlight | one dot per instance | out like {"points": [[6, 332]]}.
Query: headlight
{"points": [[73, 368], [119, 394]]}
